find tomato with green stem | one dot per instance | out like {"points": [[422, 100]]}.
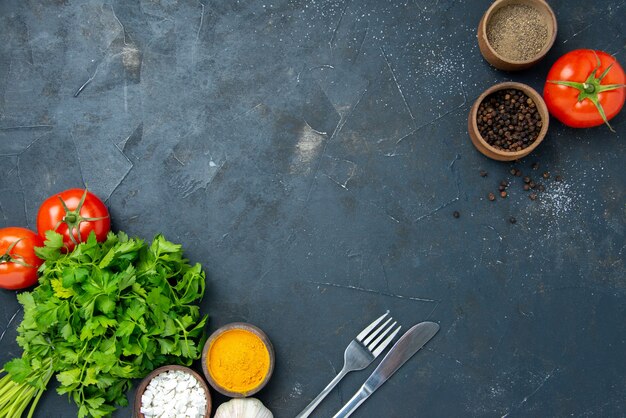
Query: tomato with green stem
{"points": [[585, 88], [74, 213], [18, 262]]}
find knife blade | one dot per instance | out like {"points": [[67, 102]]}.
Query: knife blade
{"points": [[409, 344]]}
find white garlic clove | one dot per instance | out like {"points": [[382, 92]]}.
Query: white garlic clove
{"points": [[243, 408]]}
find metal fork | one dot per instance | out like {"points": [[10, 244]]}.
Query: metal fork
{"points": [[359, 354]]}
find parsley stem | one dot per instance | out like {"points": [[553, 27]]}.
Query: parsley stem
{"points": [[16, 396], [21, 401], [15, 401], [40, 392], [4, 386]]}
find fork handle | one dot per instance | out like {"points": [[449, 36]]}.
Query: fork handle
{"points": [[310, 407], [353, 403]]}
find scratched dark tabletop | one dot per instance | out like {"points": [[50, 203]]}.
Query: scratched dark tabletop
{"points": [[310, 154]]}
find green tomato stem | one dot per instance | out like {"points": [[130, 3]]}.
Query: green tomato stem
{"points": [[73, 219], [70, 218], [7, 257]]}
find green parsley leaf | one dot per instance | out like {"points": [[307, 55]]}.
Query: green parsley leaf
{"points": [[52, 247], [69, 377], [19, 369]]}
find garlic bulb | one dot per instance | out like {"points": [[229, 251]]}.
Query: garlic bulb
{"points": [[243, 408]]}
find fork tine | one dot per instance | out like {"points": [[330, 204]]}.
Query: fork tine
{"points": [[375, 333], [385, 343], [371, 346], [370, 327]]}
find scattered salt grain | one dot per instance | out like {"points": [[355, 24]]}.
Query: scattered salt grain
{"points": [[559, 200]]}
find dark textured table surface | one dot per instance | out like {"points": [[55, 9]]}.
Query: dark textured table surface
{"points": [[310, 154]]}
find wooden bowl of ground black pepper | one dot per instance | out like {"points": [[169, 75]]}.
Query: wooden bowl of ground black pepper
{"points": [[516, 34], [508, 121]]}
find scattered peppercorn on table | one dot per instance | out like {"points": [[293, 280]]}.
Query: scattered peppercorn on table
{"points": [[314, 158]]}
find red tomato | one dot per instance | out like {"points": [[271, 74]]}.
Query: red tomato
{"points": [[585, 88], [74, 213], [18, 263]]}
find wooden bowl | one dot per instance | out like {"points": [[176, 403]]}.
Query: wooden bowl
{"points": [[492, 152], [206, 357], [144, 383], [504, 63]]}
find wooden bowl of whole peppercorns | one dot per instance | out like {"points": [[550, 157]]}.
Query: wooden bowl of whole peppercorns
{"points": [[508, 121]]}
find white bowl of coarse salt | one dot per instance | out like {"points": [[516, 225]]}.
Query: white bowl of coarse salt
{"points": [[173, 391]]}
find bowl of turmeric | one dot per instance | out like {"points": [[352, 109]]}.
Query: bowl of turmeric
{"points": [[238, 360]]}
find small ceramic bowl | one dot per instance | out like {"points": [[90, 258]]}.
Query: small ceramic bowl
{"points": [[206, 357], [144, 383], [492, 152], [504, 63]]}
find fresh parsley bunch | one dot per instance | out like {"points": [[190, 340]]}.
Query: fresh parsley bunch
{"points": [[102, 315]]}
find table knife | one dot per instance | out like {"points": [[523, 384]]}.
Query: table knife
{"points": [[409, 344]]}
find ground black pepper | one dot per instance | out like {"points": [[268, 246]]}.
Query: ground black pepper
{"points": [[508, 120], [517, 32]]}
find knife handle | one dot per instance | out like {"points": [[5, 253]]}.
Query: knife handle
{"points": [[353, 403]]}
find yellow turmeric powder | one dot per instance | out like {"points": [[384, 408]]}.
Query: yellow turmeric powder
{"points": [[238, 360]]}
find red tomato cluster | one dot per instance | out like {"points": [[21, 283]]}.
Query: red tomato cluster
{"points": [[74, 213]]}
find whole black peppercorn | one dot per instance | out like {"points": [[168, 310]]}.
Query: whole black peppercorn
{"points": [[514, 126], [491, 197], [512, 220], [532, 196], [456, 214], [483, 173]]}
